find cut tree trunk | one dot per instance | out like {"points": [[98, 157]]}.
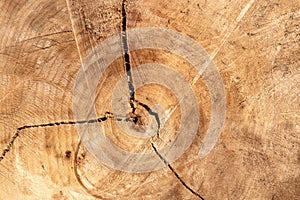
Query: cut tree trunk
{"points": [[46, 44]]}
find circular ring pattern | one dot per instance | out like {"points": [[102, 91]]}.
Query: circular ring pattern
{"points": [[96, 63]]}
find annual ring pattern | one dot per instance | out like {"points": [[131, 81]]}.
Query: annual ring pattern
{"points": [[93, 136]]}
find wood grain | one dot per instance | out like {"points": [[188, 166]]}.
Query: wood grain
{"points": [[254, 44]]}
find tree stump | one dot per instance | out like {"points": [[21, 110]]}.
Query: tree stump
{"points": [[127, 99]]}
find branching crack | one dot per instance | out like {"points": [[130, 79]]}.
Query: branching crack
{"points": [[133, 104], [107, 115], [129, 75], [175, 173]]}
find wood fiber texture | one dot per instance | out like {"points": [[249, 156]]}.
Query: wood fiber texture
{"points": [[254, 44]]}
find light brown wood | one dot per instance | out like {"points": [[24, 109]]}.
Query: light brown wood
{"points": [[255, 47]]}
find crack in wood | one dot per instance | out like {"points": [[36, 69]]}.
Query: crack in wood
{"points": [[128, 69], [107, 115], [126, 53], [151, 112], [175, 173]]}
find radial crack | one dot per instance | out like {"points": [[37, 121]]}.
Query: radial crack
{"points": [[129, 74], [126, 52], [175, 173], [107, 115], [151, 112]]}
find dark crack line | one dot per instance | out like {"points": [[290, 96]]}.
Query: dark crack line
{"points": [[175, 173], [128, 72], [151, 112], [126, 53], [107, 115]]}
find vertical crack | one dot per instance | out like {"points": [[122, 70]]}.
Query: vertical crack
{"points": [[175, 173], [126, 54], [129, 75]]}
